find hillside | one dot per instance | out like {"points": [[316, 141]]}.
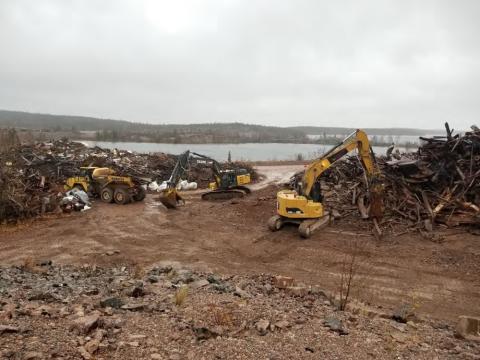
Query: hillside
{"points": [[120, 130]]}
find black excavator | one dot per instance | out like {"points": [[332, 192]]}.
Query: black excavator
{"points": [[228, 183]]}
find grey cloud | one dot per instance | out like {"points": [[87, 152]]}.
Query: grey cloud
{"points": [[365, 64]]}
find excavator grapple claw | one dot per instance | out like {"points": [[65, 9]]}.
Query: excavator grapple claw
{"points": [[170, 198]]}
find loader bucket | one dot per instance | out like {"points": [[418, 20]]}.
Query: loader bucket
{"points": [[170, 198]]}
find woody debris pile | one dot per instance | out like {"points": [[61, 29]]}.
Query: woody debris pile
{"points": [[32, 177], [438, 184]]}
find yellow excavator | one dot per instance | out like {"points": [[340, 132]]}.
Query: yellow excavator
{"points": [[303, 205]]}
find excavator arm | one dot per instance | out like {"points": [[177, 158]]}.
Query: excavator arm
{"points": [[356, 140], [169, 197], [213, 164], [180, 167]]}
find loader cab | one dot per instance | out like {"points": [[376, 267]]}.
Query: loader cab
{"points": [[82, 180]]}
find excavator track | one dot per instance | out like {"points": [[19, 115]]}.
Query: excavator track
{"points": [[225, 194], [308, 226]]}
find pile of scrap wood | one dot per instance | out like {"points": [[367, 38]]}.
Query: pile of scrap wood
{"points": [[32, 176], [436, 185]]}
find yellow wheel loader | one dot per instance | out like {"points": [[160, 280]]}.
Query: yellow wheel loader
{"points": [[303, 205], [103, 183]]}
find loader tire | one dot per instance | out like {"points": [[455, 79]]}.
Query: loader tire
{"points": [[106, 195], [121, 196]]}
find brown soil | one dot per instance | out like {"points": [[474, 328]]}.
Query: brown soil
{"points": [[442, 277]]}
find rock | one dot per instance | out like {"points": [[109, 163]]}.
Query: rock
{"points": [[84, 353], [134, 344], [316, 290], [133, 307], [282, 324], [152, 279], [136, 336], [8, 329], [113, 302], [184, 276], [262, 326], [399, 326], [42, 296], [404, 313], [199, 284], [399, 337], [299, 291], [241, 293], [85, 324], [33, 355], [213, 279], [468, 328], [156, 356], [335, 324], [92, 346], [162, 270], [203, 333], [268, 289], [137, 290], [282, 282], [7, 354], [412, 324], [112, 252], [9, 311], [223, 288]]}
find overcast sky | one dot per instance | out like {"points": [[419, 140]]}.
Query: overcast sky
{"points": [[352, 63]]}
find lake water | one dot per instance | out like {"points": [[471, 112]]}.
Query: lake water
{"points": [[248, 151]]}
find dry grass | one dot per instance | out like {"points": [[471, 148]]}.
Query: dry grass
{"points": [[29, 264], [220, 316], [138, 271], [351, 263], [181, 295]]}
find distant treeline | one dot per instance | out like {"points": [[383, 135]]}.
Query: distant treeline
{"points": [[81, 127]]}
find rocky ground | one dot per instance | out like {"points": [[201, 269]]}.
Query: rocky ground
{"points": [[169, 312]]}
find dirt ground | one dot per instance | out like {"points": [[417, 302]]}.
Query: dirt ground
{"points": [[441, 278]]}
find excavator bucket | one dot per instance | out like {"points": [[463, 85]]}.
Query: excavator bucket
{"points": [[170, 198]]}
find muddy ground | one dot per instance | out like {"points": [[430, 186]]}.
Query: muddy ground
{"points": [[441, 277]]}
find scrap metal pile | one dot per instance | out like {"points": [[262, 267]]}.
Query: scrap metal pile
{"points": [[32, 176], [438, 184]]}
